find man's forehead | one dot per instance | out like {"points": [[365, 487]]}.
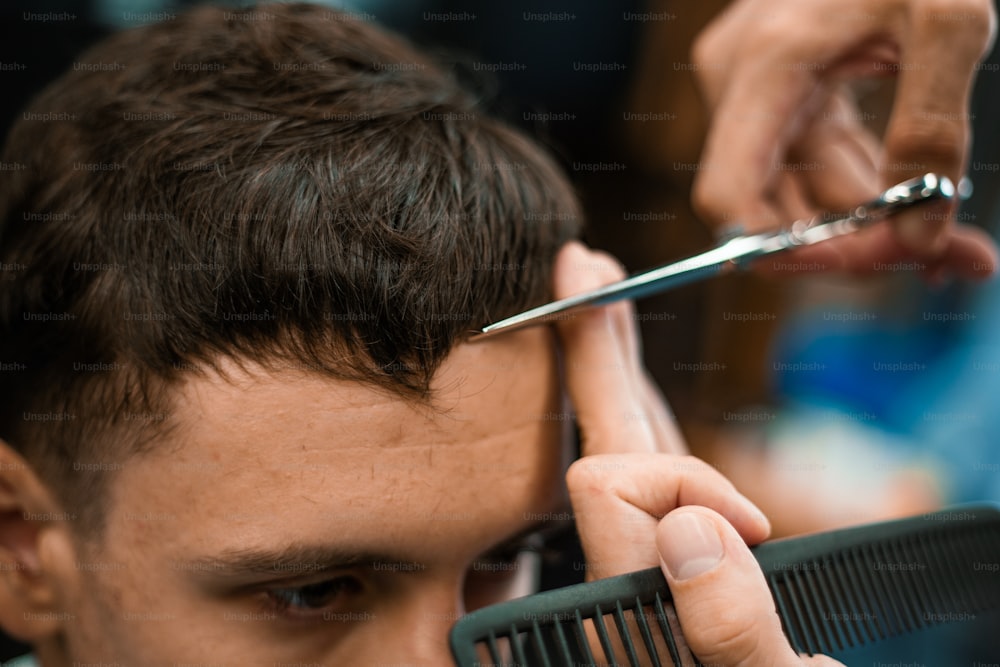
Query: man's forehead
{"points": [[272, 457], [480, 388]]}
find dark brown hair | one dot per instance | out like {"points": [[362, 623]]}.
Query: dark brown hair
{"points": [[283, 184]]}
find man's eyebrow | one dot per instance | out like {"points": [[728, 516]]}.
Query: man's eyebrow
{"points": [[301, 560], [293, 561]]}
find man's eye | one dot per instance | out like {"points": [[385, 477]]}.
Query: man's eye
{"points": [[308, 600]]}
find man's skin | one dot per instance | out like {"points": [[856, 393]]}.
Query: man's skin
{"points": [[294, 473], [777, 76]]}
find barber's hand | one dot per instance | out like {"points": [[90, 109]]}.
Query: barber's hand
{"points": [[787, 139], [633, 475], [722, 601]]}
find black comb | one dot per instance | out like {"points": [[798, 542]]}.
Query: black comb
{"points": [[833, 591]]}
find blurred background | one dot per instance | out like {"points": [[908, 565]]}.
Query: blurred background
{"points": [[828, 400]]}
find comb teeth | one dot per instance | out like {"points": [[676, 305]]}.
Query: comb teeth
{"points": [[637, 632], [888, 588], [833, 591]]}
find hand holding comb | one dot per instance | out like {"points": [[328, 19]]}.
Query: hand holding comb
{"points": [[832, 591]]}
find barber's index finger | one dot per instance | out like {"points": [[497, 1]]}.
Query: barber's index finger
{"points": [[603, 372]]}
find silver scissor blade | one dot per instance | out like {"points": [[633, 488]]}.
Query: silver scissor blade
{"points": [[642, 284], [737, 251]]}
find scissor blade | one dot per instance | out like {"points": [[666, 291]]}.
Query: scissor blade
{"points": [[660, 279], [737, 250]]}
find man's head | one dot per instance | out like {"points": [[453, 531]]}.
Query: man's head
{"points": [[239, 264]]}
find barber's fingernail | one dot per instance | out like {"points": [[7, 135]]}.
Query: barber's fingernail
{"points": [[691, 545]]}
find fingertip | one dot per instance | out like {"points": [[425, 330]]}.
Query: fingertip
{"points": [[568, 257], [755, 526], [572, 247], [690, 538], [985, 274], [610, 268], [984, 265], [971, 254], [689, 544], [720, 594], [920, 235], [746, 518], [579, 268]]}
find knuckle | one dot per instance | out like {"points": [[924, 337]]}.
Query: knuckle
{"points": [[929, 141], [688, 464], [705, 200], [705, 49], [592, 474], [972, 19], [728, 634], [698, 472], [972, 10], [776, 35], [738, 640]]}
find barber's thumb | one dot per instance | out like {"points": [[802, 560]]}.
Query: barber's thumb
{"points": [[725, 610]]}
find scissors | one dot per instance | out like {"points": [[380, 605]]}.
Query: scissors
{"points": [[739, 250]]}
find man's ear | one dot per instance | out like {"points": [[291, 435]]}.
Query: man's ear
{"points": [[35, 555]]}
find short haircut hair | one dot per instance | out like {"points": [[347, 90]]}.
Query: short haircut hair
{"points": [[285, 184]]}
